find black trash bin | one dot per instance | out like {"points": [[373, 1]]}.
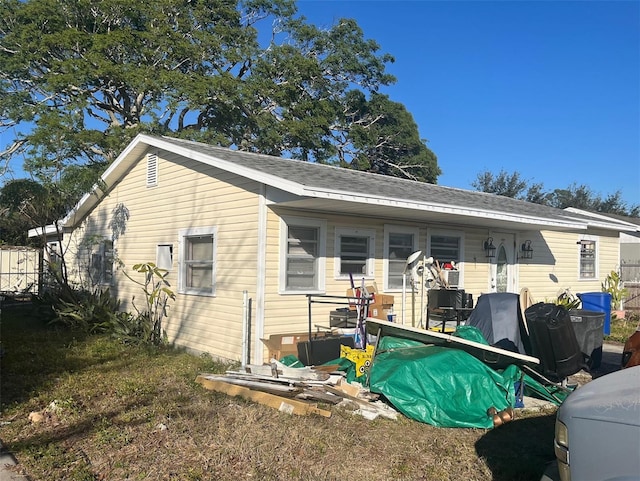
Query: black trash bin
{"points": [[589, 329], [554, 341]]}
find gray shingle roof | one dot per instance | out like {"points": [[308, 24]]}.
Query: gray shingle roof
{"points": [[364, 183], [323, 188]]}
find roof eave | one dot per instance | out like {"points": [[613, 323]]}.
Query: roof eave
{"points": [[602, 221], [534, 221]]}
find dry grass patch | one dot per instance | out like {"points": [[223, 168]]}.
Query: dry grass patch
{"points": [[116, 412]]}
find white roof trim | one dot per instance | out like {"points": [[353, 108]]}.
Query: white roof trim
{"points": [[45, 231], [438, 208]]}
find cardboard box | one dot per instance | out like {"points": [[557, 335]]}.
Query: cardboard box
{"points": [[371, 290], [383, 299], [281, 345], [379, 311]]}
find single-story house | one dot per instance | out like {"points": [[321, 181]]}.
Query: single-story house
{"points": [[629, 239], [246, 237]]}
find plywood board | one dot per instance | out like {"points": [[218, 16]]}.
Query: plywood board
{"points": [[493, 356], [290, 406]]}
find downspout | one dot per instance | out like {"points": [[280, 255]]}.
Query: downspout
{"points": [[261, 262]]}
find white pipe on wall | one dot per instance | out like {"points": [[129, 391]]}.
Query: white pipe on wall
{"points": [[246, 356]]}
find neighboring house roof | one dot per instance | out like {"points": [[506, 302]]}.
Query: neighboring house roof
{"points": [[323, 188], [628, 224]]}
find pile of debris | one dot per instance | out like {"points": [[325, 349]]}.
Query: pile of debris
{"points": [[298, 390]]}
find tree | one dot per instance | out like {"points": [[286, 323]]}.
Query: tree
{"points": [[386, 140], [577, 196], [18, 203], [82, 78], [509, 185]]}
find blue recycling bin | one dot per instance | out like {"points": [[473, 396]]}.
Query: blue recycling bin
{"points": [[598, 301]]}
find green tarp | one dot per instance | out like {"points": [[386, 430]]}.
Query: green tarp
{"points": [[443, 386], [439, 385]]}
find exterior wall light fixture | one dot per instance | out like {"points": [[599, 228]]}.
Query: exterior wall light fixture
{"points": [[526, 251], [489, 248]]}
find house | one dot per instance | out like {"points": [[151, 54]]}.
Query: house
{"points": [[246, 237], [629, 265], [629, 242]]}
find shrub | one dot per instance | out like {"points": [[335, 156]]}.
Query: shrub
{"points": [[91, 312]]}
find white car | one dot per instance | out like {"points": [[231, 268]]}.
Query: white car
{"points": [[597, 433]]}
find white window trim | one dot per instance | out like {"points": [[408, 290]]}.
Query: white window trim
{"points": [[396, 229], [596, 240], [321, 224], [196, 231], [450, 233], [371, 258]]}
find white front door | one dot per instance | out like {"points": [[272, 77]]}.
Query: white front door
{"points": [[503, 265]]}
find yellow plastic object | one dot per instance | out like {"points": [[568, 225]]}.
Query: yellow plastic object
{"points": [[360, 357]]}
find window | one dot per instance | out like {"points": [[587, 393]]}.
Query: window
{"points": [[101, 265], [587, 259], [152, 170], [302, 255], [400, 242], [445, 248], [197, 261], [354, 252], [53, 253]]}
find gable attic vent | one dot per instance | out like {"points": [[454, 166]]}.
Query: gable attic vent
{"points": [[152, 170]]}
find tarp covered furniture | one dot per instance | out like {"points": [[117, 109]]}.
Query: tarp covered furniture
{"points": [[499, 317]]}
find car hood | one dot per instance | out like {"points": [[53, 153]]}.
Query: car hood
{"points": [[614, 397]]}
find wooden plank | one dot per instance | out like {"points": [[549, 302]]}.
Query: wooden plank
{"points": [[256, 377], [338, 392], [490, 355], [319, 394], [280, 370], [290, 406], [279, 389]]}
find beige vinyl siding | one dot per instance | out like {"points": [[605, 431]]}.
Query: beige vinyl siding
{"points": [[288, 313], [543, 275], [188, 195], [476, 264], [191, 195], [555, 263]]}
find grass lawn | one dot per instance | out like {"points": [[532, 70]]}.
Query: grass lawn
{"points": [[117, 412]]}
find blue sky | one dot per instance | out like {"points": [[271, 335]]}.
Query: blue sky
{"points": [[549, 89]]}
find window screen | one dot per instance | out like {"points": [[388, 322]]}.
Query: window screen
{"points": [[354, 253], [302, 258], [198, 263], [587, 259], [445, 248], [401, 245]]}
